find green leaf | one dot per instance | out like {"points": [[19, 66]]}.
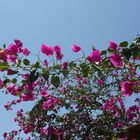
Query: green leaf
{"points": [[4, 46], [56, 67], [14, 80], [72, 64], [65, 72], [46, 75], [24, 82], [18, 63], [3, 66], [85, 69], [132, 45], [26, 62], [36, 65], [123, 44], [126, 61], [104, 52], [55, 81], [137, 66], [137, 40], [33, 76], [127, 53], [100, 74], [105, 62], [67, 105], [95, 67], [98, 104], [6, 81], [135, 51]]}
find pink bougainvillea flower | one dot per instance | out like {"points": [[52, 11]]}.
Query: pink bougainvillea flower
{"points": [[4, 135], [19, 89], [113, 45], [94, 56], [116, 60], [12, 49], [49, 104], [25, 76], [18, 43], [105, 106], [11, 87], [25, 51], [48, 50], [50, 130], [57, 49], [59, 55], [43, 48], [28, 138], [11, 58], [130, 112], [7, 106], [120, 101], [26, 130], [43, 131], [28, 97], [127, 88], [76, 48], [43, 93], [14, 132], [1, 84], [64, 66], [118, 125], [29, 87], [101, 82], [45, 63]]}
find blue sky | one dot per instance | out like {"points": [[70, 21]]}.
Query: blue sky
{"points": [[83, 22]]}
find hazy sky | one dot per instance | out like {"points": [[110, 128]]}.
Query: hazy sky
{"points": [[63, 22]]}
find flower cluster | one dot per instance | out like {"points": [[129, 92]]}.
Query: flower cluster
{"points": [[80, 99]]}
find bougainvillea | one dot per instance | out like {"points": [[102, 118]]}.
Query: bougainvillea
{"points": [[82, 99]]}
